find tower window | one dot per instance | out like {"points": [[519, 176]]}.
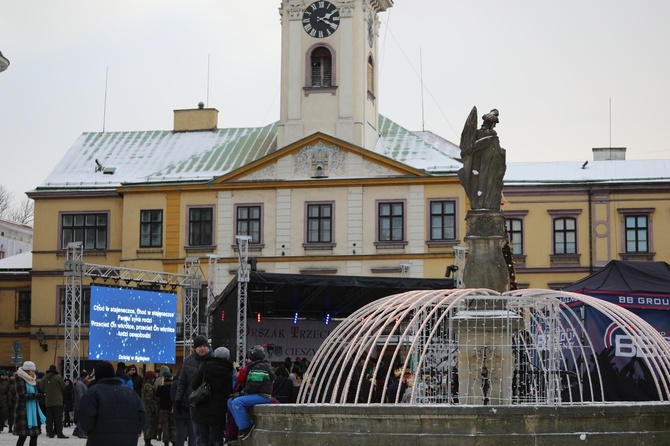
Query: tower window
{"points": [[322, 67]]}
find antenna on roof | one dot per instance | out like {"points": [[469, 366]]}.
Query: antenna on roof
{"points": [[208, 54], [423, 121], [104, 107], [610, 122]]}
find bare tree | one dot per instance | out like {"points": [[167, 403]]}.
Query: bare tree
{"points": [[24, 212], [6, 198]]}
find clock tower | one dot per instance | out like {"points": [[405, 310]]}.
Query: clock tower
{"points": [[329, 70]]}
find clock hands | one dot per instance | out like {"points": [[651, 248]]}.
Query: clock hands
{"points": [[328, 15], [326, 19]]}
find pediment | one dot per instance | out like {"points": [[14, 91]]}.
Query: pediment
{"points": [[320, 157]]}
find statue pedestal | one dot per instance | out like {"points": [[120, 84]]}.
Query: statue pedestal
{"points": [[485, 359], [485, 266]]}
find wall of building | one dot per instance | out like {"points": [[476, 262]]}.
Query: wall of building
{"points": [[10, 329], [14, 238], [599, 229]]}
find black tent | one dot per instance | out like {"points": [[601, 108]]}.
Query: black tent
{"points": [[625, 277], [644, 289], [280, 296]]}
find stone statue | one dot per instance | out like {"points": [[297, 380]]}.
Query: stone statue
{"points": [[482, 178], [483, 161]]}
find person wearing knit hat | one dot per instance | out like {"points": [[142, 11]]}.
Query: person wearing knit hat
{"points": [[200, 341], [122, 376], [258, 390], [29, 365], [189, 369], [159, 378], [80, 388], [148, 392], [138, 382], [222, 353], [209, 415], [111, 414], [28, 417], [103, 370], [53, 386], [169, 423]]}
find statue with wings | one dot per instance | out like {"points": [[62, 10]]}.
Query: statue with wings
{"points": [[483, 161]]}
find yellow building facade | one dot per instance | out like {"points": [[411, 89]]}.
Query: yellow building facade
{"points": [[332, 187]]}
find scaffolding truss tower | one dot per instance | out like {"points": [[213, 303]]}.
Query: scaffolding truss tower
{"points": [[76, 269]]}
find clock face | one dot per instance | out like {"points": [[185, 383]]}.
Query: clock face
{"points": [[321, 19]]}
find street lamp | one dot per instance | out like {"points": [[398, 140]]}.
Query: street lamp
{"points": [[40, 339]]}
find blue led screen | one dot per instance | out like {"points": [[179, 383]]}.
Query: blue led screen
{"points": [[132, 325]]}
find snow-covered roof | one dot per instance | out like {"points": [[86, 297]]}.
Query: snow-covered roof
{"points": [[14, 225], [12, 264], [158, 156], [421, 150], [108, 160], [579, 172]]}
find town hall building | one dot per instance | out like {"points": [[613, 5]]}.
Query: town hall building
{"points": [[333, 187]]}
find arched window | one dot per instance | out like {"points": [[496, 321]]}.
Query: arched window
{"points": [[322, 67]]}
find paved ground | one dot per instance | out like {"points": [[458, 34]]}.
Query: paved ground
{"points": [[7, 439]]}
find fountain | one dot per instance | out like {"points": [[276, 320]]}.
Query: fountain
{"points": [[479, 365]]}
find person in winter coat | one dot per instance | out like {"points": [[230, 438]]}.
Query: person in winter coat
{"points": [[210, 415], [68, 402], [182, 420], [122, 376], [54, 389], [159, 379], [283, 388], [187, 372], [12, 401], [80, 388], [150, 406], [138, 381], [28, 417], [165, 416], [240, 380], [110, 413], [5, 407], [258, 390]]}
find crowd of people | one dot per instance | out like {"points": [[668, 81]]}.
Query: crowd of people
{"points": [[116, 406]]}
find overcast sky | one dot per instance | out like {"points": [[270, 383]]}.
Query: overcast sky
{"points": [[552, 68]]}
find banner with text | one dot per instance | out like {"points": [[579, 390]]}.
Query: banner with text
{"points": [[283, 338]]}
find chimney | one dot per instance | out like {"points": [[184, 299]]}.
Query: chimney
{"points": [[609, 153], [196, 120]]}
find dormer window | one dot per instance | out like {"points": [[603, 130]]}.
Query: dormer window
{"points": [[322, 67]]}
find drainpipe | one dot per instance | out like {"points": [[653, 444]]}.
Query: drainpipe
{"points": [[591, 229]]}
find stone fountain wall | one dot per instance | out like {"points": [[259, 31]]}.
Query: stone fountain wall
{"points": [[402, 425]]}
